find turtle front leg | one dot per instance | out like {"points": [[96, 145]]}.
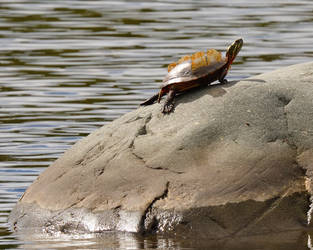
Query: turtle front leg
{"points": [[222, 79], [169, 102]]}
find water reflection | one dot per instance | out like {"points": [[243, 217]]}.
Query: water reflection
{"points": [[68, 67], [286, 241]]}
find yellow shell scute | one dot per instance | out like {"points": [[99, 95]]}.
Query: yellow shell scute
{"points": [[174, 64], [171, 66], [183, 59], [213, 56], [199, 59]]}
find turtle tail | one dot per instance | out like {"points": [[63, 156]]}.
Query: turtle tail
{"points": [[150, 101]]}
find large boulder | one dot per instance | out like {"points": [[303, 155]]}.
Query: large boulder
{"points": [[233, 159]]}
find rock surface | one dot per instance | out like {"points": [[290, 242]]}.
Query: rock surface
{"points": [[234, 159]]}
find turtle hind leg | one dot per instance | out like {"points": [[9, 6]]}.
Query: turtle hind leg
{"points": [[150, 101], [169, 102]]}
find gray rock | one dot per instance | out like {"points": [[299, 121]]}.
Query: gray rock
{"points": [[234, 159]]}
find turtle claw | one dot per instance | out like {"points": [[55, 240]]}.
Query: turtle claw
{"points": [[224, 81], [167, 108], [169, 102]]}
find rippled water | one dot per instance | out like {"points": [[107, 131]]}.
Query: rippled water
{"points": [[67, 67]]}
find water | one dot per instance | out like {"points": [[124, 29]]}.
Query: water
{"points": [[68, 67]]}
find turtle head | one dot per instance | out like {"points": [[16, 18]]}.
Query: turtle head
{"points": [[233, 50]]}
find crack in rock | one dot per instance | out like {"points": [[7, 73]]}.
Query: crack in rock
{"points": [[156, 168], [77, 202], [15, 223], [145, 225], [142, 130], [275, 202]]}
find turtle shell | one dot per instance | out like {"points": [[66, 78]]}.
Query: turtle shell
{"points": [[192, 67]]}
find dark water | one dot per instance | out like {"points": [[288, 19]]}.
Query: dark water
{"points": [[67, 67]]}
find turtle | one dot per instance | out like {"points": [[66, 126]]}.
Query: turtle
{"points": [[191, 71]]}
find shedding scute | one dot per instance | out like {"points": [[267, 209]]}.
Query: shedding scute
{"points": [[199, 59], [171, 66], [174, 64]]}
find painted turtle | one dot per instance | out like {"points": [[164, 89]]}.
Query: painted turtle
{"points": [[201, 68]]}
